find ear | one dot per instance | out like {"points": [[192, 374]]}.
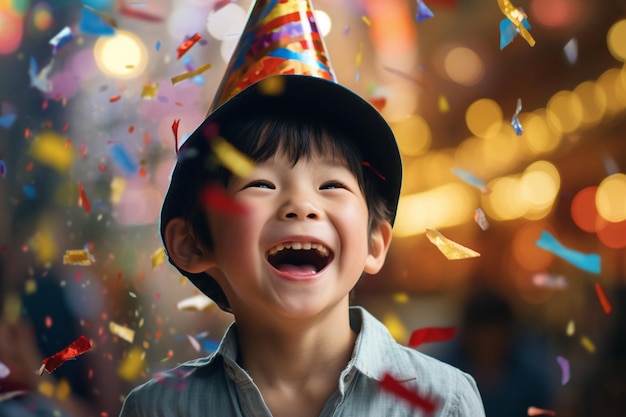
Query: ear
{"points": [[380, 239], [184, 249]]}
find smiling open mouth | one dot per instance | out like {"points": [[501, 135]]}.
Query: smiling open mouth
{"points": [[303, 258]]}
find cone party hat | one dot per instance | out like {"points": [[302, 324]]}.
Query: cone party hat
{"points": [[280, 37]]}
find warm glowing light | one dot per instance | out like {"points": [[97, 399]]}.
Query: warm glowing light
{"points": [[429, 170], [527, 254], [556, 13], [539, 137], [565, 111], [505, 201], [583, 209], [122, 55], [539, 187], [484, 117], [500, 152], [445, 206], [612, 235], [616, 40], [593, 100], [611, 198], [324, 24], [413, 135], [613, 84], [464, 66]]}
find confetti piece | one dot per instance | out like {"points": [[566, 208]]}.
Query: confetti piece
{"points": [[423, 12], [565, 370], [61, 39], [610, 165], [571, 51], [132, 294], [430, 335], [442, 103], [230, 157], [404, 75], [603, 299], [587, 344], [140, 15], [158, 257], [115, 98], [198, 302], [7, 120], [570, 329], [80, 257], [150, 91], [481, 219], [517, 17], [157, 46], [122, 331], [587, 262], [551, 281], [187, 44], [175, 125], [29, 191], [194, 343], [366, 20], [73, 350], [178, 78], [83, 198], [4, 370], [215, 198], [508, 31], [534, 411], [132, 365], [450, 249], [106, 17], [471, 180], [3, 169], [39, 79], [371, 168], [517, 126], [93, 24], [12, 308], [401, 298], [123, 159], [395, 387]]}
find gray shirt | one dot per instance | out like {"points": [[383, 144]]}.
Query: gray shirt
{"points": [[216, 386]]}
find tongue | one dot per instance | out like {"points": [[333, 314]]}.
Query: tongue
{"points": [[297, 269]]}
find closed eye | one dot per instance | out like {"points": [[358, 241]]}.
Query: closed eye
{"points": [[332, 185], [260, 184]]}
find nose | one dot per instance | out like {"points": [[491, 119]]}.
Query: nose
{"points": [[299, 209]]}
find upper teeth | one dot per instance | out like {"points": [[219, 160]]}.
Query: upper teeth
{"points": [[323, 250]]}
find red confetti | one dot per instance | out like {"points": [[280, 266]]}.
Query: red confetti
{"points": [[175, 131], [131, 129], [114, 99], [186, 45], [44, 105], [604, 300], [389, 383], [74, 349], [534, 411], [431, 334], [48, 322], [83, 198], [65, 127], [136, 14], [370, 167], [215, 198]]}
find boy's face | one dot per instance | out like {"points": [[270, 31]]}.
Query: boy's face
{"points": [[302, 244]]}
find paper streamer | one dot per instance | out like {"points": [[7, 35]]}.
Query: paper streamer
{"points": [[603, 299], [73, 350], [587, 262], [431, 334]]}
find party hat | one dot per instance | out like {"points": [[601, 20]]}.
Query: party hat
{"points": [[280, 37]]}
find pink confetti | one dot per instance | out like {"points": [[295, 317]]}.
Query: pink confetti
{"points": [[565, 371]]}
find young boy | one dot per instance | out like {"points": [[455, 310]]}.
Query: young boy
{"points": [[283, 250]]}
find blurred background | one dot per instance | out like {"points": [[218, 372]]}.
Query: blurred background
{"points": [[530, 136]]}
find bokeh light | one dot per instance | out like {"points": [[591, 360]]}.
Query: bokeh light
{"points": [[464, 66], [413, 135], [612, 234], [505, 201], [556, 13], [593, 101], [565, 111], [613, 84], [484, 117], [324, 24], [122, 55], [611, 198], [616, 40], [539, 137], [525, 251], [11, 32], [226, 22], [41, 16], [540, 186], [583, 209]]}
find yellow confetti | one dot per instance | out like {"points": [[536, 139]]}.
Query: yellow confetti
{"points": [[150, 91], [30, 286], [229, 156], [396, 328], [80, 257], [198, 302], [359, 55], [51, 149], [570, 329], [46, 388], [178, 78], [450, 249], [63, 390], [12, 308], [401, 298], [122, 331], [133, 364], [444, 106], [158, 257], [516, 16], [587, 344], [45, 245], [366, 20], [118, 186]]}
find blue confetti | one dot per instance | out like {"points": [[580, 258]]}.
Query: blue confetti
{"points": [[517, 126], [508, 31], [158, 46], [123, 159], [92, 24], [471, 180], [209, 345], [29, 191], [423, 12], [3, 168], [7, 120], [587, 262]]}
